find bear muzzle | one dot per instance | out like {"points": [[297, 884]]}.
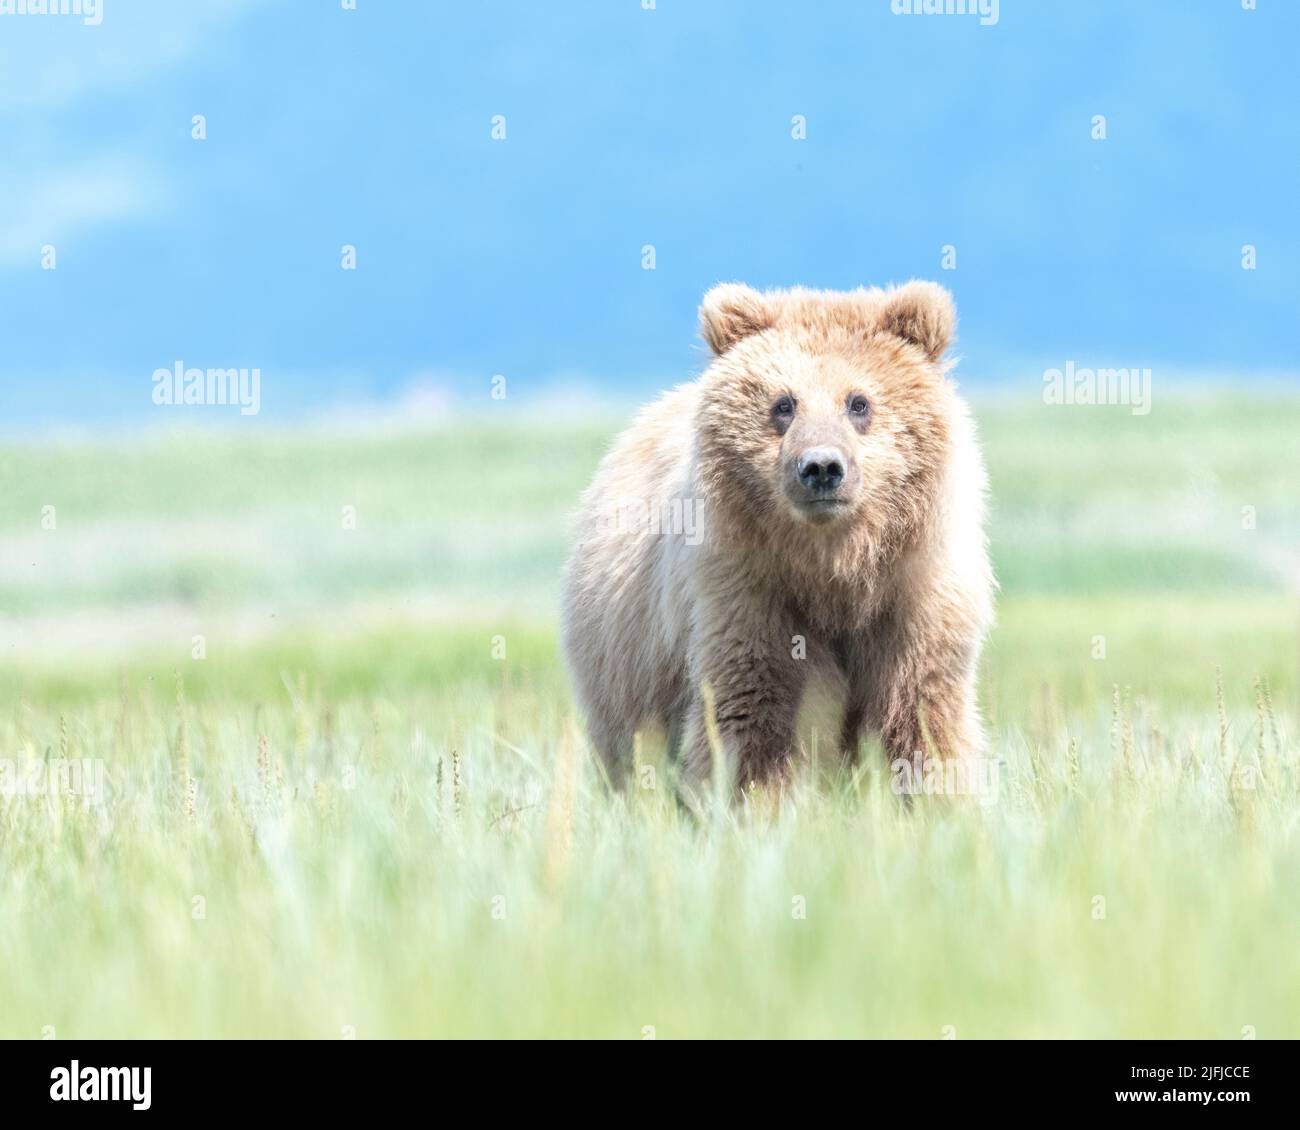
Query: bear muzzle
{"points": [[820, 483]]}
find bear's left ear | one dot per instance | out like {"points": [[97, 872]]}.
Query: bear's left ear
{"points": [[731, 311], [922, 313]]}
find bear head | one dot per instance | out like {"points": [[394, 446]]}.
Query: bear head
{"points": [[825, 415]]}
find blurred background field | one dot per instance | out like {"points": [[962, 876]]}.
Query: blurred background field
{"points": [[392, 830]]}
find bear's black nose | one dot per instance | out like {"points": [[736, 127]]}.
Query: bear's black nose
{"points": [[821, 468]]}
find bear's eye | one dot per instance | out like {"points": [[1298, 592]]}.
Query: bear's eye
{"points": [[782, 414], [859, 411]]}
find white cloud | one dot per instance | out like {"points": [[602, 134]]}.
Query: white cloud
{"points": [[55, 184], [48, 63], [56, 207]]}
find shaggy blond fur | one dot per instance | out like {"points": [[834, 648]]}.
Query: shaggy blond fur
{"points": [[693, 566]]}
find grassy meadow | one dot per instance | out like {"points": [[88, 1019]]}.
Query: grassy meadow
{"points": [[330, 806]]}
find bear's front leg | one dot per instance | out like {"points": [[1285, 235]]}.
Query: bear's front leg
{"points": [[924, 705], [917, 679], [744, 649], [931, 712]]}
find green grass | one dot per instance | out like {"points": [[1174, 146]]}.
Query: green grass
{"points": [[393, 831]]}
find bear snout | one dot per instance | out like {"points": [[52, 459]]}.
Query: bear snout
{"points": [[821, 469], [820, 482]]}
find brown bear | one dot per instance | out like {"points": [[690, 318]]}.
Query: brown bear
{"points": [[813, 503]]}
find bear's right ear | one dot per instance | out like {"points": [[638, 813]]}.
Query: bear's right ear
{"points": [[731, 311]]}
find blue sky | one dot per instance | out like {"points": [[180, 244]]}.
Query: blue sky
{"points": [[628, 127]]}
